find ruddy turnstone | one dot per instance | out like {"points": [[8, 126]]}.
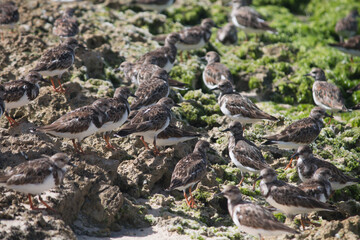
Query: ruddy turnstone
{"points": [[21, 92], [247, 20], [348, 26], [195, 37], [239, 108], [319, 186], [77, 124], [307, 164], [150, 92], [289, 199], [351, 46], [227, 35], [140, 73], [326, 95], [251, 218], [215, 71], [153, 5], [165, 56], [300, 133], [37, 176], [190, 170], [116, 111], [243, 153], [9, 15], [66, 25], [57, 60], [172, 135], [149, 121]]}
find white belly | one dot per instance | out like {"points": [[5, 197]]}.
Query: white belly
{"points": [[239, 165], [53, 73], [35, 189], [186, 47], [109, 126], [24, 100], [243, 120], [169, 141], [150, 135], [79, 136], [247, 29], [184, 188], [208, 85], [337, 185], [168, 66], [288, 145]]}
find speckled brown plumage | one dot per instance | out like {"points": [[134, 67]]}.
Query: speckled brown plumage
{"points": [[352, 43], [227, 35], [318, 186], [215, 71], [347, 27], [66, 25], [9, 13]]}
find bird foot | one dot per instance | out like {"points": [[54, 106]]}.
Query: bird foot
{"points": [[12, 122]]}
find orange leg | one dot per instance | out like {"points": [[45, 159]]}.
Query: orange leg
{"points": [[156, 151], [53, 84], [302, 222], [11, 120], [108, 144], [289, 165], [181, 56], [75, 145], [31, 203], [242, 179], [186, 198], [192, 200], [188, 55], [60, 88], [79, 148], [46, 205], [143, 141]]}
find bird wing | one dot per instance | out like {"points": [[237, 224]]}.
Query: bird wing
{"points": [[249, 155], [55, 58], [329, 95]]}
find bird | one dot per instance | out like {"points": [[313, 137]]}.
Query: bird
{"points": [[56, 61], [248, 20], [163, 57], [347, 27], [227, 35], [66, 26], [326, 95], [318, 186], [252, 218], [149, 122], [190, 170], [115, 110], [153, 5], [150, 92], [243, 153], [195, 37], [215, 71], [307, 164], [37, 176], [300, 133], [172, 135], [9, 15], [21, 92], [77, 124], [351, 46], [239, 108], [141, 73], [287, 198]]}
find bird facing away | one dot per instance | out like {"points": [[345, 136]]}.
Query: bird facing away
{"points": [[239, 108], [153, 5], [307, 164], [190, 170], [248, 20], [150, 92], [56, 61], [301, 132], [326, 95], [37, 176], [318, 186], [149, 121], [9, 15], [141, 73], [289, 199], [172, 135], [66, 25], [77, 124], [347, 27], [351, 46], [251, 218], [115, 110], [21, 92], [243, 153], [163, 57], [227, 35], [215, 71]]}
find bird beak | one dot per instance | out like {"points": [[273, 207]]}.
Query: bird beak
{"points": [[71, 164], [117, 69], [176, 105], [44, 80], [219, 194], [294, 155], [259, 178], [133, 95], [215, 88], [307, 75], [225, 130], [328, 115], [216, 26]]}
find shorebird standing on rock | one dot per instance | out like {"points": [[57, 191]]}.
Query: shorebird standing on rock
{"points": [[9, 15], [66, 26]]}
